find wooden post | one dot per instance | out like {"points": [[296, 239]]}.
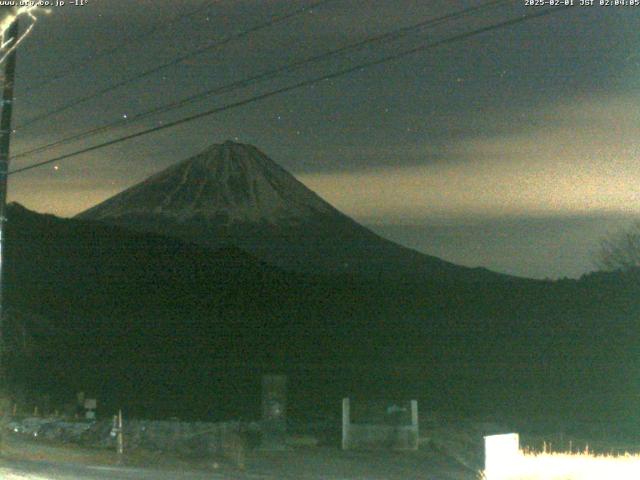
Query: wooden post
{"points": [[120, 435], [5, 139], [414, 423], [274, 412], [79, 405], [414, 413], [346, 423]]}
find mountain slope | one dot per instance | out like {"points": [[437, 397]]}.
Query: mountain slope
{"points": [[229, 183], [165, 327], [137, 314], [234, 194]]}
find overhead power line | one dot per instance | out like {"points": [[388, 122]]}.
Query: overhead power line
{"points": [[135, 39], [175, 61], [296, 86], [394, 34]]}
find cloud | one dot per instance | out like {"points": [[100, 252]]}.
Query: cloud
{"points": [[574, 157], [581, 157], [60, 198]]}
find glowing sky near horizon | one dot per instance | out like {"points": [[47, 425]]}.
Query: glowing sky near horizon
{"points": [[535, 121]]}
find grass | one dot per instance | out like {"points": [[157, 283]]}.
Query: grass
{"points": [[8, 475], [569, 466], [19, 448]]}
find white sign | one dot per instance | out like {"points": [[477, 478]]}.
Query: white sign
{"points": [[501, 455]]}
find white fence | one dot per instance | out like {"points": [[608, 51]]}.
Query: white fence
{"points": [[372, 434]]}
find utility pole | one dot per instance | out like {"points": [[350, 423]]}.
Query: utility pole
{"points": [[5, 138]]}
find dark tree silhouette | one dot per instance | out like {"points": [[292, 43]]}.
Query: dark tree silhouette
{"points": [[620, 251]]}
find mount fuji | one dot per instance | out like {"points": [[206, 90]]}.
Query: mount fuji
{"points": [[233, 194]]}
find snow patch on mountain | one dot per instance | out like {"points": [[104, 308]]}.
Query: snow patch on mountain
{"points": [[227, 183]]}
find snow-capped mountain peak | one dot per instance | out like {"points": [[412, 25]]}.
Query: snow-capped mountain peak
{"points": [[233, 194], [229, 182]]}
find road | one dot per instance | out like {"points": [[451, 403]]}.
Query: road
{"points": [[25, 459], [33, 470], [327, 470]]}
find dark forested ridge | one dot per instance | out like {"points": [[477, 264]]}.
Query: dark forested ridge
{"points": [[161, 326]]}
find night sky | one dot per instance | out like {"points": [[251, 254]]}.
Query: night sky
{"points": [[516, 149]]}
